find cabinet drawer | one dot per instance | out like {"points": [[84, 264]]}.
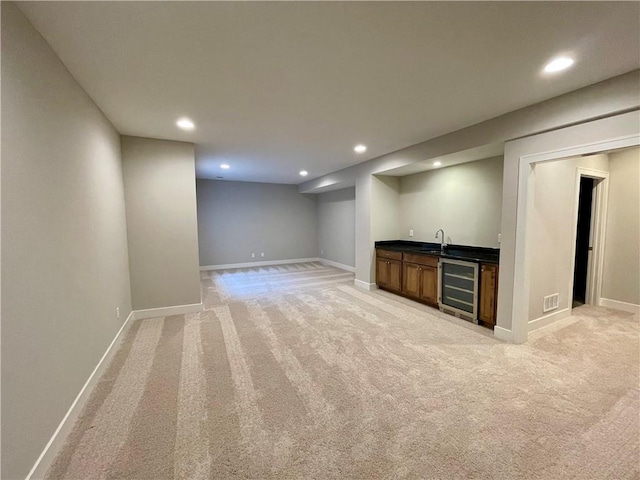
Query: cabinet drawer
{"points": [[389, 254], [421, 259]]}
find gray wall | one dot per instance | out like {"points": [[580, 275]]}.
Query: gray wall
{"points": [[465, 200], [385, 208], [621, 277], [553, 231], [64, 244], [236, 219], [337, 226], [159, 181]]}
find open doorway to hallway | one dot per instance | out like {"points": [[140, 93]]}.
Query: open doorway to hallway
{"points": [[590, 213], [583, 241]]}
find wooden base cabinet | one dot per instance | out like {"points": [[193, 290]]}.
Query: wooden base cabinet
{"points": [[421, 273], [488, 293], [389, 272], [416, 276], [420, 281]]}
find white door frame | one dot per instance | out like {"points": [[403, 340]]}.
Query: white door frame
{"points": [[526, 190], [598, 232]]}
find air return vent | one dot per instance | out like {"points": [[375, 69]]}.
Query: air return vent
{"points": [[550, 302]]}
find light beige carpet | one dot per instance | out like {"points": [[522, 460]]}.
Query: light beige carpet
{"points": [[293, 373]]}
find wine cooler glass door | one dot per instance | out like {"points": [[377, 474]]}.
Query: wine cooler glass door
{"points": [[459, 287]]}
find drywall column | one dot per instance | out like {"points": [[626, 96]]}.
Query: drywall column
{"points": [[377, 203], [162, 231], [365, 267], [64, 241]]}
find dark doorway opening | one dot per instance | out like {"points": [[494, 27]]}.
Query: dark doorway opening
{"points": [[583, 240]]}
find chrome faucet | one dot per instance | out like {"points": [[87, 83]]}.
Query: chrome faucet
{"points": [[442, 242]]}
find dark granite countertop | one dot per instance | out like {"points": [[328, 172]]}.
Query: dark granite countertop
{"points": [[455, 252]]}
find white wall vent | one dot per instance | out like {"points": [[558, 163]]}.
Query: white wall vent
{"points": [[550, 302]]}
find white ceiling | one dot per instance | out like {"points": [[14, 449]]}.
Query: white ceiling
{"points": [[278, 87]]}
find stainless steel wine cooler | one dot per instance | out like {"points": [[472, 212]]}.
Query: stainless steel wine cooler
{"points": [[458, 288]]}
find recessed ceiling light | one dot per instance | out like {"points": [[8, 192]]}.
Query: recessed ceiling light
{"points": [[558, 64], [437, 164], [303, 173], [185, 124], [360, 148], [224, 166]]}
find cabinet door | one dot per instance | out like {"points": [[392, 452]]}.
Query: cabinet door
{"points": [[488, 293], [382, 272], [395, 275], [429, 284], [411, 279]]}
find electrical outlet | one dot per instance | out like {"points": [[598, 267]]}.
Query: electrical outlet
{"points": [[499, 238], [118, 313], [321, 252], [262, 254], [411, 233], [253, 255]]}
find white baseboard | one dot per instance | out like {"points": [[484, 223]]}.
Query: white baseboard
{"points": [[548, 319], [258, 264], [365, 285], [618, 305], [341, 266], [59, 436], [166, 311], [503, 334]]}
